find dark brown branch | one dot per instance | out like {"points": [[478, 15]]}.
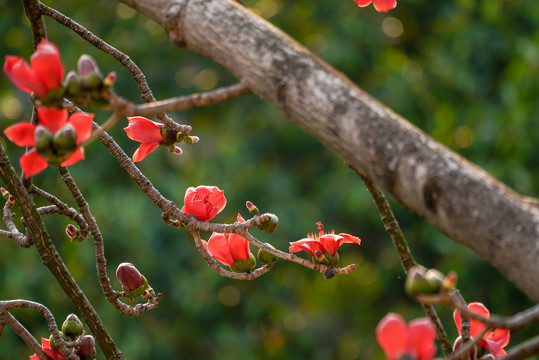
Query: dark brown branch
{"points": [[33, 13], [523, 350], [8, 319]]}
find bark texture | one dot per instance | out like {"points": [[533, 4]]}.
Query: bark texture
{"points": [[455, 196]]}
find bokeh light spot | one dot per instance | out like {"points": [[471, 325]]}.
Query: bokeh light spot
{"points": [[229, 296], [206, 79], [125, 12], [392, 27], [11, 107], [462, 136]]}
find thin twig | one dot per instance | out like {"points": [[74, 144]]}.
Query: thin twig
{"points": [[21, 239], [392, 227], [24, 334]]}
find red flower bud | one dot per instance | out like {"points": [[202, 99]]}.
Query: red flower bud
{"points": [[129, 276]]}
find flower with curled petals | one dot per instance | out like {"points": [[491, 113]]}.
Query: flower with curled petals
{"points": [[53, 354], [203, 202], [151, 134], [379, 5], [323, 246], [54, 141], [401, 341], [494, 340], [44, 74]]}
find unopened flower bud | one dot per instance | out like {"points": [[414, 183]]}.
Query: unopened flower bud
{"points": [[423, 281], [175, 150], [252, 208], [53, 344], [270, 225], [86, 65], [72, 327], [72, 232], [65, 142], [43, 142], [110, 79], [11, 200], [133, 282], [4, 193], [189, 139], [265, 257], [72, 85], [86, 349], [450, 280], [242, 266]]}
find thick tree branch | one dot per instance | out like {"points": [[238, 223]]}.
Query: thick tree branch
{"points": [[461, 200]]}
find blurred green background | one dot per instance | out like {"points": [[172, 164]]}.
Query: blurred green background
{"points": [[464, 71]]}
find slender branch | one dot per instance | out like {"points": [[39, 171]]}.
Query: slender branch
{"points": [[33, 13], [101, 261], [523, 350], [24, 334], [407, 260]]}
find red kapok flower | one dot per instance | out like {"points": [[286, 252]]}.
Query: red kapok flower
{"points": [[227, 248], [379, 5], [494, 340], [54, 141], [204, 202], [322, 245], [397, 339], [53, 354], [151, 134], [45, 73]]}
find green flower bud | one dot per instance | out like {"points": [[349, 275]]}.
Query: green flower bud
{"points": [[72, 85], [54, 98], [65, 142], [265, 257], [53, 344], [92, 81], [72, 327], [242, 266], [423, 281], [270, 225], [43, 143]]}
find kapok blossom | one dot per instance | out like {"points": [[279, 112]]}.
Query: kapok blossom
{"points": [[228, 248], [322, 244], [54, 141], [414, 340], [45, 72], [53, 354], [379, 5], [494, 340], [151, 134], [203, 202]]}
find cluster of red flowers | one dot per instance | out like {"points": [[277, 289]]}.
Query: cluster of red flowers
{"points": [[415, 340], [55, 139]]}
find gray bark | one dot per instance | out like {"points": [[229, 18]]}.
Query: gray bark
{"points": [[457, 197]]}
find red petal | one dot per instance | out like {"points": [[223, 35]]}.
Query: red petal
{"points": [[238, 246], [421, 336], [391, 334], [384, 5], [47, 65], [144, 130], [77, 156], [331, 242], [53, 354], [22, 75], [363, 3], [52, 119], [31, 163], [350, 239], [82, 123], [21, 133], [495, 341], [143, 150], [219, 249], [308, 245]]}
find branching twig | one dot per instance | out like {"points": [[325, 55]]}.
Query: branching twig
{"points": [[20, 239]]}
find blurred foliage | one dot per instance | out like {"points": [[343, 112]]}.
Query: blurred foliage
{"points": [[464, 71]]}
